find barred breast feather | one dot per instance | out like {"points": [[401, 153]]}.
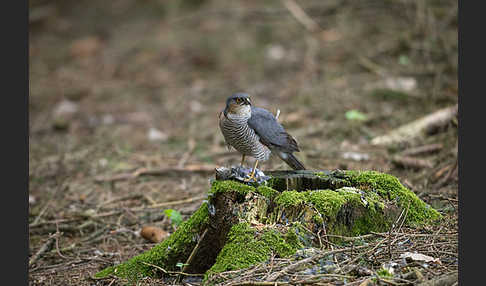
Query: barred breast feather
{"points": [[240, 136]]}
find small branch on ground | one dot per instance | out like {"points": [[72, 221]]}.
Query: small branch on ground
{"points": [[194, 251], [422, 150], [295, 265], [166, 204], [444, 280], [418, 127], [124, 198], [188, 170], [47, 246], [191, 143], [170, 272], [448, 176], [301, 16], [371, 66], [409, 162]]}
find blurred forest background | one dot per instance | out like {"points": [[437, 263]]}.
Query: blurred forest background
{"points": [[119, 87]]}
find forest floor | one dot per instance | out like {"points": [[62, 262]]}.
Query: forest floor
{"points": [[137, 85]]}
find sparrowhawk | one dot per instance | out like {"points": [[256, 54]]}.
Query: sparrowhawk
{"points": [[255, 132]]}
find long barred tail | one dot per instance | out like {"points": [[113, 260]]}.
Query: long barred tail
{"points": [[291, 160]]}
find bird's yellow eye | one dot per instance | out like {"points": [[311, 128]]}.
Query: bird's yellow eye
{"points": [[238, 100]]}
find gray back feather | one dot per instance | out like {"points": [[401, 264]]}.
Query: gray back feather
{"points": [[271, 133]]}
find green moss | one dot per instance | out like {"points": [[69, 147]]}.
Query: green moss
{"points": [[291, 198], [335, 179], [318, 219], [293, 239], [367, 208], [321, 175], [176, 248], [366, 201], [384, 273], [380, 186], [230, 185], [247, 246], [273, 182], [267, 192], [327, 202], [389, 187], [330, 203], [370, 222], [371, 200], [105, 272], [283, 246], [241, 250]]}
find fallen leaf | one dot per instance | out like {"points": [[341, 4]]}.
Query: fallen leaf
{"points": [[330, 35], [275, 52], [196, 106], [85, 46], [404, 84], [153, 233], [356, 156], [367, 282], [355, 115], [294, 117], [413, 256], [63, 113], [65, 107], [157, 135]]}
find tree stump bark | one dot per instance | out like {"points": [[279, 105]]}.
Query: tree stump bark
{"points": [[243, 224]]}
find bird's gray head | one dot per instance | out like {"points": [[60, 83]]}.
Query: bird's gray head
{"points": [[238, 104]]}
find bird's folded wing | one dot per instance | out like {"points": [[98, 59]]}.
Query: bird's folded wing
{"points": [[270, 131]]}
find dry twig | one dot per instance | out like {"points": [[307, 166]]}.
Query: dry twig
{"points": [[417, 127], [422, 149], [204, 170], [171, 272], [444, 280], [47, 246], [194, 251], [410, 162], [300, 15], [295, 265], [447, 177]]}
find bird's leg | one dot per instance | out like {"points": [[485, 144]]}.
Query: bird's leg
{"points": [[242, 160], [252, 174]]}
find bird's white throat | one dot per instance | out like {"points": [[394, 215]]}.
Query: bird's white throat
{"points": [[240, 113]]}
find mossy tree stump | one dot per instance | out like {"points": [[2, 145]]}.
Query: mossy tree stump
{"points": [[244, 224]]}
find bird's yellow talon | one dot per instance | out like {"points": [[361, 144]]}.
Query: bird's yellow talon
{"points": [[250, 178]]}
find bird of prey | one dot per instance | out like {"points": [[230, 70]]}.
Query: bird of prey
{"points": [[255, 132]]}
